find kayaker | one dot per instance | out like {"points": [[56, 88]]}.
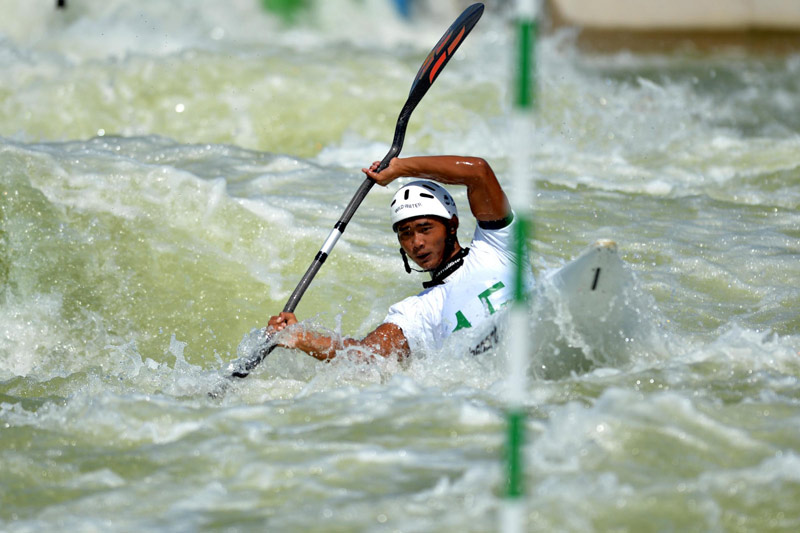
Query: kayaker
{"points": [[468, 284]]}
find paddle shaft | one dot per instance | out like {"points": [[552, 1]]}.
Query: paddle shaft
{"points": [[427, 74], [246, 366], [341, 224]]}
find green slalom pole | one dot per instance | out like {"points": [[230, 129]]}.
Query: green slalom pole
{"points": [[513, 518]]}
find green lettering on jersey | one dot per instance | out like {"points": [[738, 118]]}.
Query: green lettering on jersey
{"points": [[484, 296], [462, 321]]}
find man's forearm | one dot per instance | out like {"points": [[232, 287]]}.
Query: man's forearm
{"points": [[447, 169], [487, 201], [318, 346], [386, 340]]}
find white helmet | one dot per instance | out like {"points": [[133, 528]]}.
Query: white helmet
{"points": [[422, 199]]}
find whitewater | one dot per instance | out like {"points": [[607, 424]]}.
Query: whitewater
{"points": [[168, 171]]}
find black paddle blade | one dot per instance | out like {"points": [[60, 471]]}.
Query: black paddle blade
{"points": [[429, 71], [242, 367], [443, 51]]}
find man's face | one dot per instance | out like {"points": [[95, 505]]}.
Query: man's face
{"points": [[424, 240]]}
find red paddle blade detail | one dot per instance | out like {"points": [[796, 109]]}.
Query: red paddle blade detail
{"points": [[447, 45]]}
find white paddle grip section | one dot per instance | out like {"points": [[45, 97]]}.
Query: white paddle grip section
{"points": [[330, 242]]}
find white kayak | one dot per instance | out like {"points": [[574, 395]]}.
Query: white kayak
{"points": [[591, 283], [583, 314]]}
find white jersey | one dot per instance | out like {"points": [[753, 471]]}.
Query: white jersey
{"points": [[482, 286]]}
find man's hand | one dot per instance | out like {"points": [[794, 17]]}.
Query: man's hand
{"points": [[387, 175], [278, 323]]}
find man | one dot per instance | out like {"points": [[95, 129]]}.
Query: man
{"points": [[467, 285]]}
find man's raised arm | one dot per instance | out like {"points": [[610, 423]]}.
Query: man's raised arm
{"points": [[487, 201]]}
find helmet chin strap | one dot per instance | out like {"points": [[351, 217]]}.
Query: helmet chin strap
{"points": [[405, 263]]}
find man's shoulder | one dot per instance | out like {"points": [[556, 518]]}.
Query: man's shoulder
{"points": [[493, 230], [498, 239]]}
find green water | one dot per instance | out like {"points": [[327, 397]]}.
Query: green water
{"points": [[168, 173]]}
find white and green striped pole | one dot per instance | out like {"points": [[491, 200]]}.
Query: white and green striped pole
{"points": [[513, 518]]}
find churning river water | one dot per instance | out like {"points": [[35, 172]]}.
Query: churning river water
{"points": [[168, 171]]}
